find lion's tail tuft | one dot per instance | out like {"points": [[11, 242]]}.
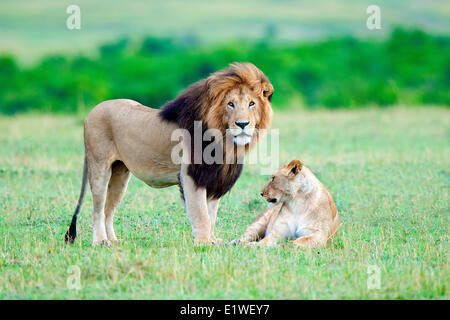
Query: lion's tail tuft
{"points": [[71, 234]]}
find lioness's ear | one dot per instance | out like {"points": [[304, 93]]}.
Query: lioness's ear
{"points": [[267, 90], [294, 167]]}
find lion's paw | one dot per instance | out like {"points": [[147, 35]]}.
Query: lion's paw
{"points": [[218, 242], [234, 242], [105, 243]]}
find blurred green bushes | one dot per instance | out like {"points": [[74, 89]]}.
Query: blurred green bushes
{"points": [[411, 67]]}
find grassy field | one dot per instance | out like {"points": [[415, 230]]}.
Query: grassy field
{"points": [[30, 29], [388, 171]]}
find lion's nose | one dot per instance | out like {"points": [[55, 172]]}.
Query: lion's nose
{"points": [[242, 124], [262, 194]]}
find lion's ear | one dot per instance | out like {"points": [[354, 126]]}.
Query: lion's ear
{"points": [[267, 90], [294, 167]]}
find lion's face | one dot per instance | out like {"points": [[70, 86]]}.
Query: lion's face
{"points": [[242, 110], [240, 106], [283, 185]]}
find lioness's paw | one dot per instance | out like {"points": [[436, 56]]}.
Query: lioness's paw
{"points": [[264, 244], [234, 242]]}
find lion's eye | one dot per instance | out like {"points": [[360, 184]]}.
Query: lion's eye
{"points": [[231, 104], [251, 104]]}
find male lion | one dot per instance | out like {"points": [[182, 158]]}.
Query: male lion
{"points": [[300, 209], [123, 137]]}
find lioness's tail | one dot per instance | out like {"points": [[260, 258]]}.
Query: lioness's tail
{"points": [[72, 232]]}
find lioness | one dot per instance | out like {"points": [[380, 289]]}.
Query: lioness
{"points": [[300, 209], [123, 137]]}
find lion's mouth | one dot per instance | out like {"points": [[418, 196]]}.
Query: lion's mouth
{"points": [[272, 202], [243, 133], [242, 138]]}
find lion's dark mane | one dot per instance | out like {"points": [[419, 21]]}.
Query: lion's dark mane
{"points": [[218, 179]]}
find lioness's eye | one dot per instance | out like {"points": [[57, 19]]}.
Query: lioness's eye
{"points": [[251, 104], [231, 104]]}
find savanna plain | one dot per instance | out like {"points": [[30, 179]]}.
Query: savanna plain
{"points": [[387, 170]]}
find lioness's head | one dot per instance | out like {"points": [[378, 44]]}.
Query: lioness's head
{"points": [[240, 102], [283, 185]]}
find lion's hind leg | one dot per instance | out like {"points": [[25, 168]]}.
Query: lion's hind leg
{"points": [[99, 176], [314, 240], [117, 186]]}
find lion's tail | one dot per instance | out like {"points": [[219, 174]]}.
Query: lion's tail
{"points": [[72, 232]]}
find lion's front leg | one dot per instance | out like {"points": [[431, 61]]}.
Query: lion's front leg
{"points": [[197, 208], [213, 205], [257, 229]]}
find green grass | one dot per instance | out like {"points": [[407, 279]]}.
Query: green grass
{"points": [[388, 171]]}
